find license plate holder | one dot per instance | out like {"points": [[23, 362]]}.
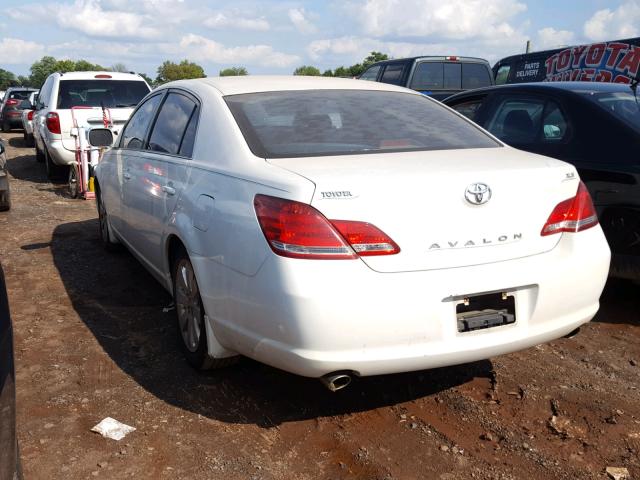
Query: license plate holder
{"points": [[479, 312]]}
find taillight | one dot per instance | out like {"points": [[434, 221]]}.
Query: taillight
{"points": [[366, 239], [53, 122], [298, 230], [572, 215], [30, 115], [11, 102]]}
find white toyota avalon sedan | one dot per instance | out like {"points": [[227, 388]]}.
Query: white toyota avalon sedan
{"points": [[334, 227]]}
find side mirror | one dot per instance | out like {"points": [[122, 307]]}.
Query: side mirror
{"points": [[100, 137]]}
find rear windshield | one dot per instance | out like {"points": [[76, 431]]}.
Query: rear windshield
{"points": [[20, 94], [342, 122], [623, 105], [101, 93]]}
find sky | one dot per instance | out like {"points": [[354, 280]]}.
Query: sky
{"points": [[276, 36]]}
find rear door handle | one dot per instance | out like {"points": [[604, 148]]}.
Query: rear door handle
{"points": [[168, 190]]}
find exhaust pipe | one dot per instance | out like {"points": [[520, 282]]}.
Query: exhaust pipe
{"points": [[336, 381]]}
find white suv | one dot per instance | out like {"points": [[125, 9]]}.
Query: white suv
{"points": [[117, 92]]}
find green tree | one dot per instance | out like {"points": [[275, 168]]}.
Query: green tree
{"points": [[24, 81], [374, 57], [233, 72], [307, 70], [327, 73], [41, 69], [170, 71], [148, 79], [119, 67], [84, 66], [7, 79]]}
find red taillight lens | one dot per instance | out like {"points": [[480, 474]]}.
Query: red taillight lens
{"points": [[53, 122], [366, 239], [11, 102], [572, 215], [30, 115], [298, 230]]}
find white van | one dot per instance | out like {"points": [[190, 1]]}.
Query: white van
{"points": [[115, 92]]}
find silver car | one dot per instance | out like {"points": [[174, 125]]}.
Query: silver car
{"points": [[5, 194]]}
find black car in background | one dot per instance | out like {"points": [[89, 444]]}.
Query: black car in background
{"points": [[594, 126], [9, 459], [438, 77], [12, 105]]}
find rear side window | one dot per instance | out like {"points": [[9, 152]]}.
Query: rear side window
{"points": [[469, 108], [100, 93], [371, 73], [528, 120], [427, 76], [475, 75], [134, 133], [393, 73], [343, 122], [171, 124]]}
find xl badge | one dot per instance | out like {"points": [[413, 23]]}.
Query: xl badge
{"points": [[478, 193]]}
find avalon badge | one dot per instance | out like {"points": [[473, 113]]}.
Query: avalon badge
{"points": [[478, 193]]}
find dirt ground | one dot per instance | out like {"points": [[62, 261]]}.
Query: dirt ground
{"points": [[92, 341]]}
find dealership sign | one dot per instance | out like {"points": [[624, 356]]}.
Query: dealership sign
{"points": [[598, 62]]}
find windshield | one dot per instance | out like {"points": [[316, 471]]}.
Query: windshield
{"points": [[623, 105], [342, 122], [101, 93]]}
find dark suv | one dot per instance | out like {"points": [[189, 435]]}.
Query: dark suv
{"points": [[12, 106], [438, 77]]}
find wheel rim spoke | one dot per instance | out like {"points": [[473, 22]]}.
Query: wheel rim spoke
{"points": [[188, 307]]}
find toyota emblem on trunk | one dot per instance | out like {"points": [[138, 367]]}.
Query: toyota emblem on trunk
{"points": [[478, 193]]}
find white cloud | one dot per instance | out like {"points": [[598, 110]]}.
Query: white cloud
{"points": [[551, 38], [199, 48], [356, 48], [88, 17], [299, 19], [17, 51], [454, 19], [620, 23], [222, 20]]}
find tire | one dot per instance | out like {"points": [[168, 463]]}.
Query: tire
{"points": [[190, 317], [6, 127], [74, 186], [5, 200], [28, 140], [108, 242], [55, 172], [39, 155]]}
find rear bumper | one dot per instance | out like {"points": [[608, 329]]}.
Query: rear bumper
{"points": [[316, 317], [59, 154]]}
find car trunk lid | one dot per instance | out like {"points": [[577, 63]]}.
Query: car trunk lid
{"points": [[422, 201]]}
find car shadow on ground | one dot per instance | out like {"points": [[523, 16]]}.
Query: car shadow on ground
{"points": [[17, 142], [619, 303], [122, 305], [25, 167]]}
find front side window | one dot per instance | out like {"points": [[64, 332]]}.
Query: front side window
{"points": [[371, 73], [344, 122], [169, 128], [101, 93], [502, 75], [133, 135]]}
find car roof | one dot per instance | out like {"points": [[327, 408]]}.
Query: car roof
{"points": [[440, 58], [273, 83], [92, 75], [574, 87]]}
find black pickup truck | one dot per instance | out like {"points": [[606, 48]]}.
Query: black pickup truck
{"points": [[438, 77]]}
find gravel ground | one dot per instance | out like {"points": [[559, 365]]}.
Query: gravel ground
{"points": [[92, 341]]}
